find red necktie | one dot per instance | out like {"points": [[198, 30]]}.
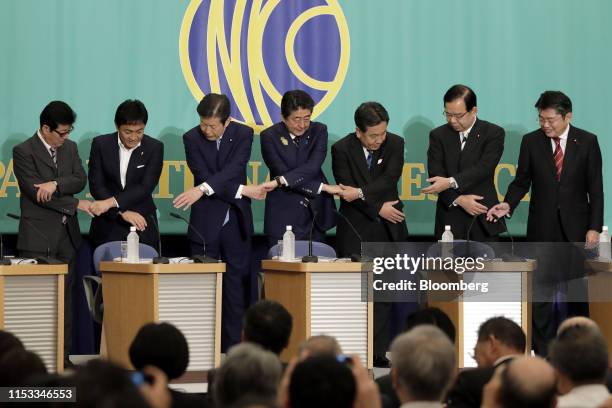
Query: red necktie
{"points": [[558, 157]]}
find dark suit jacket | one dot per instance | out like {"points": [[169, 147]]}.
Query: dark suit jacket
{"points": [[473, 170], [578, 197], [33, 165], [144, 169], [468, 387], [379, 185], [224, 171], [301, 167]]}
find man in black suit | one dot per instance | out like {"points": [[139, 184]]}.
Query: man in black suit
{"points": [[49, 172], [217, 152], [461, 160], [294, 150], [562, 165], [367, 164], [124, 169], [499, 341]]}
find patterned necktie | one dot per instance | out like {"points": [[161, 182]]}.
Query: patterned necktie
{"points": [[296, 140], [558, 157], [226, 219], [369, 158], [463, 140], [53, 152]]}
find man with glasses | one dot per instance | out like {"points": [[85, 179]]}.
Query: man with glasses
{"points": [[562, 165], [461, 160], [294, 150], [49, 172]]}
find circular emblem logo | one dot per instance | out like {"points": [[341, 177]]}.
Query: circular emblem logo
{"points": [[255, 50]]}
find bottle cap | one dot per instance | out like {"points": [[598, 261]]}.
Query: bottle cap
{"points": [[132, 229], [289, 228], [447, 228], [604, 228]]}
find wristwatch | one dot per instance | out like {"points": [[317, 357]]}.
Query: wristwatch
{"points": [[279, 183], [360, 194], [203, 188], [453, 183]]}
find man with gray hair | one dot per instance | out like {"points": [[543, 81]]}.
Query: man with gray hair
{"points": [[579, 355], [422, 366], [247, 369]]}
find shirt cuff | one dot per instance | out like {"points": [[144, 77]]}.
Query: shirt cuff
{"points": [[284, 181], [116, 202], [239, 192], [453, 183], [320, 188], [209, 190]]}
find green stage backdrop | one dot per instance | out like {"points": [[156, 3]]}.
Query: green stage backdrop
{"points": [[403, 53]]}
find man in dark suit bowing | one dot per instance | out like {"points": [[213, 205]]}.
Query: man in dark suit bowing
{"points": [[49, 172], [367, 164], [461, 160], [217, 152], [124, 169], [294, 150], [562, 165]]}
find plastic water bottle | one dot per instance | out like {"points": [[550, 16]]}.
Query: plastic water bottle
{"points": [[133, 255], [604, 244], [447, 242], [288, 244]]}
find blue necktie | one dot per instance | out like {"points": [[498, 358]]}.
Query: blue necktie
{"points": [[369, 158], [226, 220]]}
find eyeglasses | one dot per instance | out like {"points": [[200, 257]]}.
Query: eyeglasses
{"points": [[457, 116], [64, 134], [550, 121]]}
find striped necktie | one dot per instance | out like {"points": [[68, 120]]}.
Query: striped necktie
{"points": [[558, 157], [53, 152]]}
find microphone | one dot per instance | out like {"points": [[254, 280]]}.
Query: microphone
{"points": [[511, 257], [310, 258], [3, 260], [158, 259], [355, 257], [196, 258], [41, 260]]}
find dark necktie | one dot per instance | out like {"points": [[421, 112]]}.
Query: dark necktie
{"points": [[296, 140], [53, 152], [369, 158], [558, 157]]}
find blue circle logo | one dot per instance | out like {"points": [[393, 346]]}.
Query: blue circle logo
{"points": [[255, 50]]}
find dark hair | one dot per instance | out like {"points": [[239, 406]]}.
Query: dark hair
{"points": [[18, 365], [370, 114], [131, 112], [215, 105], [433, 316], [504, 330], [102, 384], [9, 341], [580, 353], [57, 113], [513, 393], [556, 100], [268, 324], [161, 345], [322, 382], [294, 100], [461, 91]]}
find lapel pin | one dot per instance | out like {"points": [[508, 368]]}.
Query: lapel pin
{"points": [[141, 153], [379, 161], [284, 141]]}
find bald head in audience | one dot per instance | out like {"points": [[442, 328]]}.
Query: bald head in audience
{"points": [[526, 382], [321, 345], [576, 321]]}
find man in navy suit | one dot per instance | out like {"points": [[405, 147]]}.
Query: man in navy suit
{"points": [[124, 169], [217, 153], [294, 150]]}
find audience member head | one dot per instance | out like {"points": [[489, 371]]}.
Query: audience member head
{"points": [[101, 384], [9, 341], [18, 365], [576, 321], [322, 382], [422, 364], [526, 382], [161, 345], [498, 337], [247, 369], [214, 110], [580, 356], [433, 316], [371, 120], [321, 345], [268, 324]]}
